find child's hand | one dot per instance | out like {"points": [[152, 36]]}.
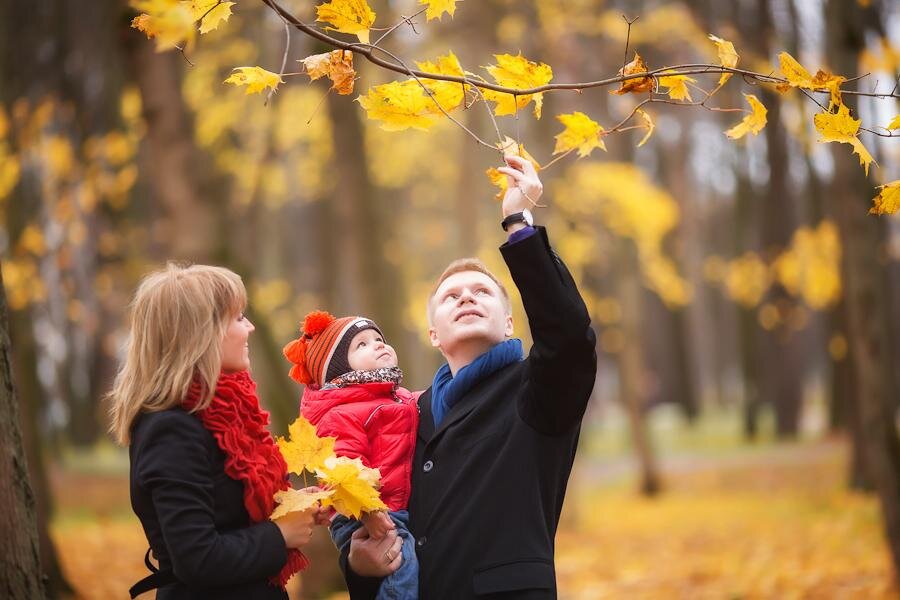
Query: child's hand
{"points": [[377, 523]]}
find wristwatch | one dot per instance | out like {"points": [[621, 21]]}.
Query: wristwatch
{"points": [[519, 217]]}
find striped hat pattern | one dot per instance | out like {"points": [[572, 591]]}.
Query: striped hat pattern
{"points": [[320, 353]]}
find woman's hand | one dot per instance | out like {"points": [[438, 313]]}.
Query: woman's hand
{"points": [[377, 523], [296, 527]]}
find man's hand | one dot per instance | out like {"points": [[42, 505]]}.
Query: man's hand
{"points": [[524, 186], [377, 523], [374, 558]]}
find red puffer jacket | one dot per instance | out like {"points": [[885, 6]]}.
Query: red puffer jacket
{"points": [[373, 422]]}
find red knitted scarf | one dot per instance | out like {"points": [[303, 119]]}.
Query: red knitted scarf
{"points": [[251, 456]]}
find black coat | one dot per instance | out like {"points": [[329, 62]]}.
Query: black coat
{"points": [[193, 513], [488, 485]]}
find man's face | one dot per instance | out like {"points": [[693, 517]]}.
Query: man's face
{"points": [[468, 308]]}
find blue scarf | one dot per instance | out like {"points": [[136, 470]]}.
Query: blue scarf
{"points": [[446, 389]]}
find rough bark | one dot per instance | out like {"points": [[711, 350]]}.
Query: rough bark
{"points": [[20, 569], [866, 292]]}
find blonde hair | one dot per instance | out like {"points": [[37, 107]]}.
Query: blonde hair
{"points": [[462, 265], [179, 316]]}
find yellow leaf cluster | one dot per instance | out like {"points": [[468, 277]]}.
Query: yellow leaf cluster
{"points": [[292, 500], [173, 23], [337, 65], [752, 123], [648, 123], [887, 202], [841, 127], [630, 205], [347, 16], [354, 486], [398, 105], [448, 94], [580, 132], [677, 84], [520, 73], [746, 279], [811, 266], [728, 56], [894, 124], [256, 79], [305, 451], [436, 8], [406, 104], [799, 77]]}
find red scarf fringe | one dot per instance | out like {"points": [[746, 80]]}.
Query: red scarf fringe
{"points": [[240, 427]]}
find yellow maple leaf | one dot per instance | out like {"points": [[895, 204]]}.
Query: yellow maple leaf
{"points": [[347, 16], [580, 132], [399, 105], [799, 77], [509, 146], [337, 65], [895, 123], [520, 73], [212, 13], [292, 500], [887, 202], [447, 93], [648, 122], [436, 8], [354, 486], [170, 22], [841, 127], [728, 56], [305, 451], [638, 84], [677, 84], [256, 79], [752, 123]]}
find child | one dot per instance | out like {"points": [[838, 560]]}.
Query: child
{"points": [[353, 393]]}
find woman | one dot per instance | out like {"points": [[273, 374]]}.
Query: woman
{"points": [[204, 467]]}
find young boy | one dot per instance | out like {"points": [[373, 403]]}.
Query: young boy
{"points": [[353, 393]]}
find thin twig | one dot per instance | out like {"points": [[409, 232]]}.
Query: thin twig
{"points": [[628, 39], [405, 20], [490, 112], [287, 48]]}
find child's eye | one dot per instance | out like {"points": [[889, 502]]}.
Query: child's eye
{"points": [[481, 291]]}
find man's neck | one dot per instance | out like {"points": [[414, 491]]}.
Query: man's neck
{"points": [[465, 354]]}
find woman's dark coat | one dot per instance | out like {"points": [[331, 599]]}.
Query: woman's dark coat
{"points": [[193, 514]]}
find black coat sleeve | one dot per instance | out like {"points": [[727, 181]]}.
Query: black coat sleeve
{"points": [[563, 359], [360, 588], [174, 467]]}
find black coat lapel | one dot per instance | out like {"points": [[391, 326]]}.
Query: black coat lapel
{"points": [[426, 418]]}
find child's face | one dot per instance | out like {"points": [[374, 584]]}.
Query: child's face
{"points": [[368, 351]]}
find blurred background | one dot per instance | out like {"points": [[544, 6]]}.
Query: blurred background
{"points": [[742, 439]]}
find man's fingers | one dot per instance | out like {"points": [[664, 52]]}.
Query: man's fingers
{"points": [[360, 534], [515, 160], [516, 175]]}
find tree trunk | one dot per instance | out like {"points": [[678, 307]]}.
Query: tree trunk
{"points": [[866, 291], [20, 568], [632, 369]]}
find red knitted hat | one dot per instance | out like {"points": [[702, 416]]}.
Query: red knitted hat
{"points": [[320, 353]]}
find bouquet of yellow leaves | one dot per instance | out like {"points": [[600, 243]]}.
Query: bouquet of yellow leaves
{"points": [[344, 483]]}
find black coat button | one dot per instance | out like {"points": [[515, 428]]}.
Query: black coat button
{"points": [[421, 541], [428, 466]]}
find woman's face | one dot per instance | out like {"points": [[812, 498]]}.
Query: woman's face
{"points": [[235, 349]]}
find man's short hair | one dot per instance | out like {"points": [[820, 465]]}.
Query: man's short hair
{"points": [[462, 265]]}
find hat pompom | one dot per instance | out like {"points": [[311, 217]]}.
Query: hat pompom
{"points": [[316, 322], [295, 351], [299, 374]]}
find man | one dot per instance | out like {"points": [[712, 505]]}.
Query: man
{"points": [[497, 433]]}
